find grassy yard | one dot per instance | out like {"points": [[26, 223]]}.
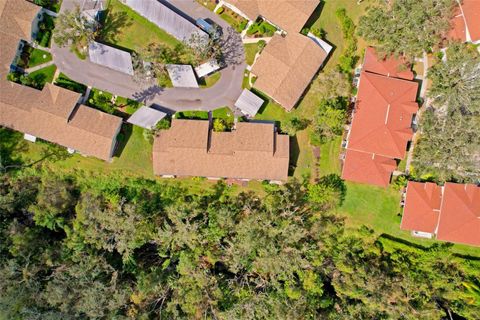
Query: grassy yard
{"points": [[222, 113], [38, 57], [101, 100], [379, 209], [251, 49], [44, 75], [134, 32], [209, 81], [329, 157]]}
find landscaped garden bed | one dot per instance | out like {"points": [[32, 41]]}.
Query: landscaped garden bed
{"points": [[260, 29], [67, 83], [45, 29], [35, 79], [101, 100], [232, 18]]}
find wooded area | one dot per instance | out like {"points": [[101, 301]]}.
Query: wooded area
{"points": [[74, 245]]}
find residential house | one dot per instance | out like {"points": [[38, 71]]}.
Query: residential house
{"points": [[450, 213], [53, 114], [251, 151], [381, 122], [290, 60]]}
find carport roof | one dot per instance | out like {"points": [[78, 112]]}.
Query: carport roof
{"points": [[146, 117], [110, 57], [249, 103], [182, 75]]}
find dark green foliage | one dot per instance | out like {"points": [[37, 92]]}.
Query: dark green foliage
{"points": [[449, 144], [329, 120], [67, 83], [142, 249], [348, 59], [294, 124], [45, 29], [407, 27], [101, 100]]}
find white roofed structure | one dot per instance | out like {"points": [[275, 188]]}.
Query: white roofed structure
{"points": [[249, 103], [207, 68], [166, 19], [146, 117], [182, 75], [110, 57]]}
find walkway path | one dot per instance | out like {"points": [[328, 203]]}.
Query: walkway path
{"points": [[224, 93], [40, 66]]}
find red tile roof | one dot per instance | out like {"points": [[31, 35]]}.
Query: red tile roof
{"points": [[388, 66], [460, 214], [422, 207], [471, 12], [383, 115], [368, 168], [466, 22]]}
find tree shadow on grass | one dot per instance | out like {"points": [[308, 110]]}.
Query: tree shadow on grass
{"points": [[111, 25]]}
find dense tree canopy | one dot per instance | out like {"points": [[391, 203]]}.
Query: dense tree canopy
{"points": [[449, 145], [407, 27], [111, 247]]}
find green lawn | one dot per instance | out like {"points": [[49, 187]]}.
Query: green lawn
{"points": [[222, 113], [38, 57], [44, 75], [379, 209], [251, 49], [136, 32], [209, 81], [329, 157]]}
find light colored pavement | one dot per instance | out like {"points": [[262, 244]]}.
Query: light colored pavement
{"points": [[224, 93]]}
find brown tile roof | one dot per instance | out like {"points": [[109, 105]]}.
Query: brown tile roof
{"points": [[51, 114], [289, 15], [252, 151], [383, 115], [389, 66], [57, 101], [422, 207], [460, 214], [16, 18], [365, 167], [89, 131], [286, 67]]}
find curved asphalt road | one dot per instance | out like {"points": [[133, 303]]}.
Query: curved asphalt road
{"points": [[224, 93]]}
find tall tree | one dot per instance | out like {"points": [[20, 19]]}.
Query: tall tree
{"points": [[74, 29], [407, 27], [456, 81]]}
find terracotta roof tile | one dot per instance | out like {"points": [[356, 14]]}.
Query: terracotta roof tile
{"points": [[460, 214], [388, 66], [16, 18], [368, 168], [383, 115], [422, 207]]}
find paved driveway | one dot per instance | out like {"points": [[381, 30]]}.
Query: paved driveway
{"points": [[224, 93]]}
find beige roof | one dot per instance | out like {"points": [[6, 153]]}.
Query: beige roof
{"points": [[286, 67], [89, 131], [290, 15], [51, 114], [16, 18], [252, 151]]}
